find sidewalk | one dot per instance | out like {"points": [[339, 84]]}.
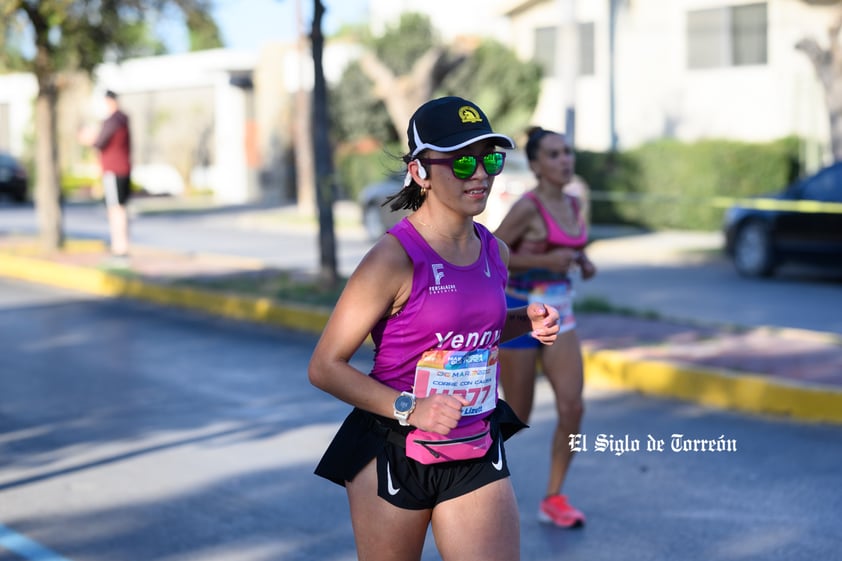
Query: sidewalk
{"points": [[788, 373]]}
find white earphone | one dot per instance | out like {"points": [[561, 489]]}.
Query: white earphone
{"points": [[422, 173]]}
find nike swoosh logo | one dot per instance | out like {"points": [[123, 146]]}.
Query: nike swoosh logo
{"points": [[389, 487], [487, 270], [498, 465]]}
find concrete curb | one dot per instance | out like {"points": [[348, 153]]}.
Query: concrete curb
{"points": [[746, 392], [723, 389], [106, 284]]}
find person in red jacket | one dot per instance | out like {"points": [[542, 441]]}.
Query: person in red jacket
{"points": [[114, 143]]}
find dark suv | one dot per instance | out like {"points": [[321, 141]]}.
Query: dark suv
{"points": [[13, 179], [801, 224]]}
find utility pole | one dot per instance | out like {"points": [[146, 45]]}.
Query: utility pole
{"points": [[323, 155]]}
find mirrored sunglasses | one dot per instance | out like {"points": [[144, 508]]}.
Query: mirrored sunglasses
{"points": [[464, 167]]}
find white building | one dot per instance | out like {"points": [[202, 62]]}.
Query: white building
{"points": [[686, 69], [189, 111], [220, 120]]}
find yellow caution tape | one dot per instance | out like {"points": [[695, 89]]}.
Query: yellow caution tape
{"points": [[723, 202], [775, 204]]}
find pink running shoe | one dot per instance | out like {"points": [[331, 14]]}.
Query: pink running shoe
{"points": [[556, 510]]}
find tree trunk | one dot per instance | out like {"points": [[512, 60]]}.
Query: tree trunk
{"points": [[47, 189], [305, 190], [325, 191], [828, 66]]}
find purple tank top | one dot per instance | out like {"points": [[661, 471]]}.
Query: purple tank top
{"points": [[450, 307]]}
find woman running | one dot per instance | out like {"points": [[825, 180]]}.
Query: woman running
{"points": [[424, 443], [547, 232]]}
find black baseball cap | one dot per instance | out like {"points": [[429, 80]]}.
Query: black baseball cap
{"points": [[450, 123]]}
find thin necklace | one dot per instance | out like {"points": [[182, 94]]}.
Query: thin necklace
{"points": [[439, 232]]}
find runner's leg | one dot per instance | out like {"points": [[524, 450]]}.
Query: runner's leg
{"points": [[484, 524], [118, 221], [562, 365], [384, 532], [116, 192], [517, 378]]}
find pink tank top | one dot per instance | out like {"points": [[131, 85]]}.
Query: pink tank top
{"points": [[556, 236], [450, 307], [522, 282]]}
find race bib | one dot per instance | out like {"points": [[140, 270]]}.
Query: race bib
{"points": [[469, 374], [559, 295]]}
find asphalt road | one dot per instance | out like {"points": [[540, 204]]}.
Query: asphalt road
{"points": [[132, 432], [684, 275]]}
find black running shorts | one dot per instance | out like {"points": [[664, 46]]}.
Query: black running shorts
{"points": [[402, 481], [117, 188]]}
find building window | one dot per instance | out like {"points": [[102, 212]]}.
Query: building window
{"points": [[545, 50], [586, 49], [748, 24], [727, 36]]}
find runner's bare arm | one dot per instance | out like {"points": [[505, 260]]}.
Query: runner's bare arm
{"points": [[539, 319], [586, 265], [379, 285], [378, 288], [515, 225]]}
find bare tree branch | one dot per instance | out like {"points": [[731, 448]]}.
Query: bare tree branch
{"points": [[402, 94], [827, 62], [821, 59]]}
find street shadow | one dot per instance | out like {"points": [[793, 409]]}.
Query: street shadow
{"points": [[83, 374], [95, 387], [276, 513], [829, 274]]}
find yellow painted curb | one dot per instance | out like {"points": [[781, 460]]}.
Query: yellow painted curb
{"points": [[752, 393], [103, 283]]}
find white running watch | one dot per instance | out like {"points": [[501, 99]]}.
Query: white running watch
{"points": [[404, 406]]}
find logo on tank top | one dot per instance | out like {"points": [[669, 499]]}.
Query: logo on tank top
{"points": [[438, 275]]}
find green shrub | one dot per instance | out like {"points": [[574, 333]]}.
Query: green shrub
{"points": [[75, 186], [613, 178], [85, 187], [659, 185], [672, 184]]}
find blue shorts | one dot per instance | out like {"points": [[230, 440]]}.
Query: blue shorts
{"points": [[525, 341]]}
